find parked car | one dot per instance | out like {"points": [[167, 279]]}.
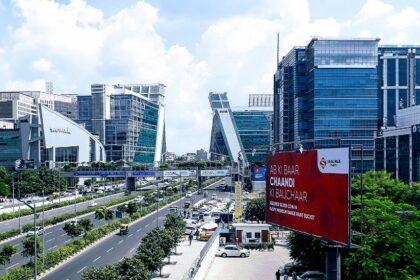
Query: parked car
{"points": [[293, 267], [188, 195], [36, 230], [312, 275], [232, 251]]}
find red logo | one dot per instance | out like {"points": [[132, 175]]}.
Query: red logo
{"points": [[323, 163]]}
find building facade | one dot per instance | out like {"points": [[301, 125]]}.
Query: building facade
{"points": [[329, 90], [48, 138], [202, 154], [128, 119], [239, 130]]}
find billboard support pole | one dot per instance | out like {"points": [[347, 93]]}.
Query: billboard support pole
{"points": [[333, 262]]}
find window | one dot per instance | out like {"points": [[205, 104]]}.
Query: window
{"points": [[258, 235], [249, 235]]}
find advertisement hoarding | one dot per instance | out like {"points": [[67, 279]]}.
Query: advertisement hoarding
{"points": [[258, 173], [309, 192], [214, 172], [238, 201], [178, 173]]}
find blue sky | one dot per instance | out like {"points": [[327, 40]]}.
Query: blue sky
{"points": [[192, 46]]}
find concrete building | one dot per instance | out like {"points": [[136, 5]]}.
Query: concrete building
{"points": [[169, 156], [48, 138], [247, 233], [202, 154], [191, 156], [260, 100], [129, 120]]}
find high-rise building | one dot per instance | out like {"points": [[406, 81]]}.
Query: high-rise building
{"points": [[239, 130], [260, 100], [202, 154], [329, 90], [128, 119]]}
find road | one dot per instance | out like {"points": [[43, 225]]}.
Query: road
{"points": [[54, 237], [114, 248], [14, 223]]}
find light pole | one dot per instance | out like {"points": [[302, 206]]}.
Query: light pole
{"points": [[35, 237]]}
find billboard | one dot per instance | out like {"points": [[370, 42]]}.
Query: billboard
{"points": [[258, 173], [214, 172], [309, 192], [238, 201], [178, 173]]}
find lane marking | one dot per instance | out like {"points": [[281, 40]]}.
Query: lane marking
{"points": [[109, 249], [130, 235], [63, 234], [50, 239], [138, 230], [121, 259], [48, 233], [81, 269], [147, 225], [67, 241], [52, 247], [121, 241], [131, 251], [97, 259], [13, 265]]}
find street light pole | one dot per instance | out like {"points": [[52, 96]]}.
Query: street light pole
{"points": [[43, 226]]}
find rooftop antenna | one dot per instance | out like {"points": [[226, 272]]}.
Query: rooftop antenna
{"points": [[278, 42]]}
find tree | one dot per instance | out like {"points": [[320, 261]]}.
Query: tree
{"points": [[73, 229], [86, 224], [308, 251], [255, 209], [29, 248], [132, 208], [151, 255], [132, 268], [174, 221], [6, 253], [88, 182], [108, 272], [4, 189], [163, 238], [104, 213]]}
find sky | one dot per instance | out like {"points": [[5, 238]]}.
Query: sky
{"points": [[191, 46]]}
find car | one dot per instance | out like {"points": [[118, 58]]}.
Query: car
{"points": [[312, 275], [139, 199], [293, 267], [232, 251], [36, 230], [188, 195], [190, 228], [93, 204], [74, 221]]}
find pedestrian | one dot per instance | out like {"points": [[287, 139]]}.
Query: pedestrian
{"points": [[285, 276], [190, 237], [185, 213], [294, 275], [197, 234], [278, 274]]}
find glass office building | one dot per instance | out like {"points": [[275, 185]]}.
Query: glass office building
{"points": [[128, 119], [329, 90], [239, 130]]}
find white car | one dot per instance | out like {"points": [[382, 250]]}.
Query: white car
{"points": [[36, 230], [93, 204], [232, 251], [188, 195], [138, 199]]}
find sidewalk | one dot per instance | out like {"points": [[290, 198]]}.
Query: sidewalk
{"points": [[184, 261]]}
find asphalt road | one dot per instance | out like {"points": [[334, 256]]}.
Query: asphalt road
{"points": [[54, 237], [14, 223], [115, 248]]}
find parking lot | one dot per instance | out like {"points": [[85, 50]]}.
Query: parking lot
{"points": [[260, 265]]}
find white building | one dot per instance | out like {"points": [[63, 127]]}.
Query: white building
{"points": [[191, 156], [252, 233]]}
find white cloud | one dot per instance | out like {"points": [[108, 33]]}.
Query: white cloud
{"points": [[42, 65], [407, 18], [373, 9]]}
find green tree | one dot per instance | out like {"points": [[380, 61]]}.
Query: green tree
{"points": [[73, 229], [132, 208], [6, 253], [108, 272], [86, 224], [88, 182], [151, 255], [29, 248], [173, 221], [4, 189], [308, 251], [104, 213], [132, 268], [255, 209]]}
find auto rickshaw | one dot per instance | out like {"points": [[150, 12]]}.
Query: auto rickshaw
{"points": [[123, 229]]}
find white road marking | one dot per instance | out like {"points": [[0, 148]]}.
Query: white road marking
{"points": [[97, 259], [138, 230], [12, 266], [50, 239], [147, 225], [130, 235], [48, 233], [121, 241], [63, 234], [81, 269], [109, 249], [121, 259], [67, 241], [52, 247], [131, 251]]}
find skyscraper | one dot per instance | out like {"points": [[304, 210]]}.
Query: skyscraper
{"points": [[129, 120]]}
